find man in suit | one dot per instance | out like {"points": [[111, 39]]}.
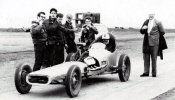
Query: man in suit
{"points": [[152, 30]]}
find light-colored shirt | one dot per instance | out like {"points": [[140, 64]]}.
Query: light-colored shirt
{"points": [[150, 26]]}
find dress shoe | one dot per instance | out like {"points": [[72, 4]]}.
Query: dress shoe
{"points": [[153, 75], [144, 75]]}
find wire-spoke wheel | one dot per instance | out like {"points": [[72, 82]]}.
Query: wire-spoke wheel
{"points": [[124, 66]]}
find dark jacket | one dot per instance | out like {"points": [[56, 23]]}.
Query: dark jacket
{"points": [[162, 46], [145, 39], [61, 37], [50, 26], [38, 34], [88, 35], [70, 36], [53, 32], [162, 42]]}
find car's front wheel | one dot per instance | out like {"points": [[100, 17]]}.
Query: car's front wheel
{"points": [[124, 66], [20, 78], [73, 81]]}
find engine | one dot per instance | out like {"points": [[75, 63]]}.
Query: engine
{"points": [[91, 61]]}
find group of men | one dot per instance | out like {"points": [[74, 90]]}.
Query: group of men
{"points": [[50, 37]]}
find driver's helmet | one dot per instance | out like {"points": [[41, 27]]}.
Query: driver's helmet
{"points": [[105, 38]]}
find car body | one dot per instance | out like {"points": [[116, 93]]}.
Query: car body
{"points": [[57, 73]]}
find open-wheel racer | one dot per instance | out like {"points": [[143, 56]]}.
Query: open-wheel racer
{"points": [[97, 60]]}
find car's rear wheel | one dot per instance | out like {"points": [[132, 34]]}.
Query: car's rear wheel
{"points": [[124, 66], [73, 81], [20, 78], [72, 56]]}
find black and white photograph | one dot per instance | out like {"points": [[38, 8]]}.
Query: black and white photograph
{"points": [[87, 50]]}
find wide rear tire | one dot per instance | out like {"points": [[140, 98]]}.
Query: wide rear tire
{"points": [[124, 66], [73, 81], [73, 56], [20, 78], [70, 57]]}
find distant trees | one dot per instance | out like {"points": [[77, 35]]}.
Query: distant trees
{"points": [[119, 27], [131, 28], [11, 30], [122, 28]]}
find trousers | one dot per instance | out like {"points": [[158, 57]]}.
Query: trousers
{"points": [[59, 55], [39, 50], [153, 52], [71, 46], [49, 55]]}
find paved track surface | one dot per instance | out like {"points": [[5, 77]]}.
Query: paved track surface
{"points": [[108, 87]]}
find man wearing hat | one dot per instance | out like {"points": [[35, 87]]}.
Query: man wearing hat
{"points": [[39, 40], [70, 36]]}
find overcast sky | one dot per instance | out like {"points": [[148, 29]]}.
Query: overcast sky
{"points": [[114, 13]]}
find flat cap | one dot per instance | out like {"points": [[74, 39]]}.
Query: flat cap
{"points": [[60, 15], [53, 9], [88, 17]]}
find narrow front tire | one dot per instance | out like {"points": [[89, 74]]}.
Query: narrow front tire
{"points": [[73, 81], [20, 78]]}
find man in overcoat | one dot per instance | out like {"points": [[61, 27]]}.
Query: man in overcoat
{"points": [[152, 30]]}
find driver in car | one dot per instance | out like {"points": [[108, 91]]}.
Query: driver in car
{"points": [[105, 40]]}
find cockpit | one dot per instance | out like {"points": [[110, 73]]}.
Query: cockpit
{"points": [[112, 43]]}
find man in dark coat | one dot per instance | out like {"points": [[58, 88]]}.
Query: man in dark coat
{"points": [[70, 36], [88, 33], [61, 42], [54, 37], [152, 30], [51, 27]]}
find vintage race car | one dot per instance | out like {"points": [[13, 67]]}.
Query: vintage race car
{"points": [[95, 61]]}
